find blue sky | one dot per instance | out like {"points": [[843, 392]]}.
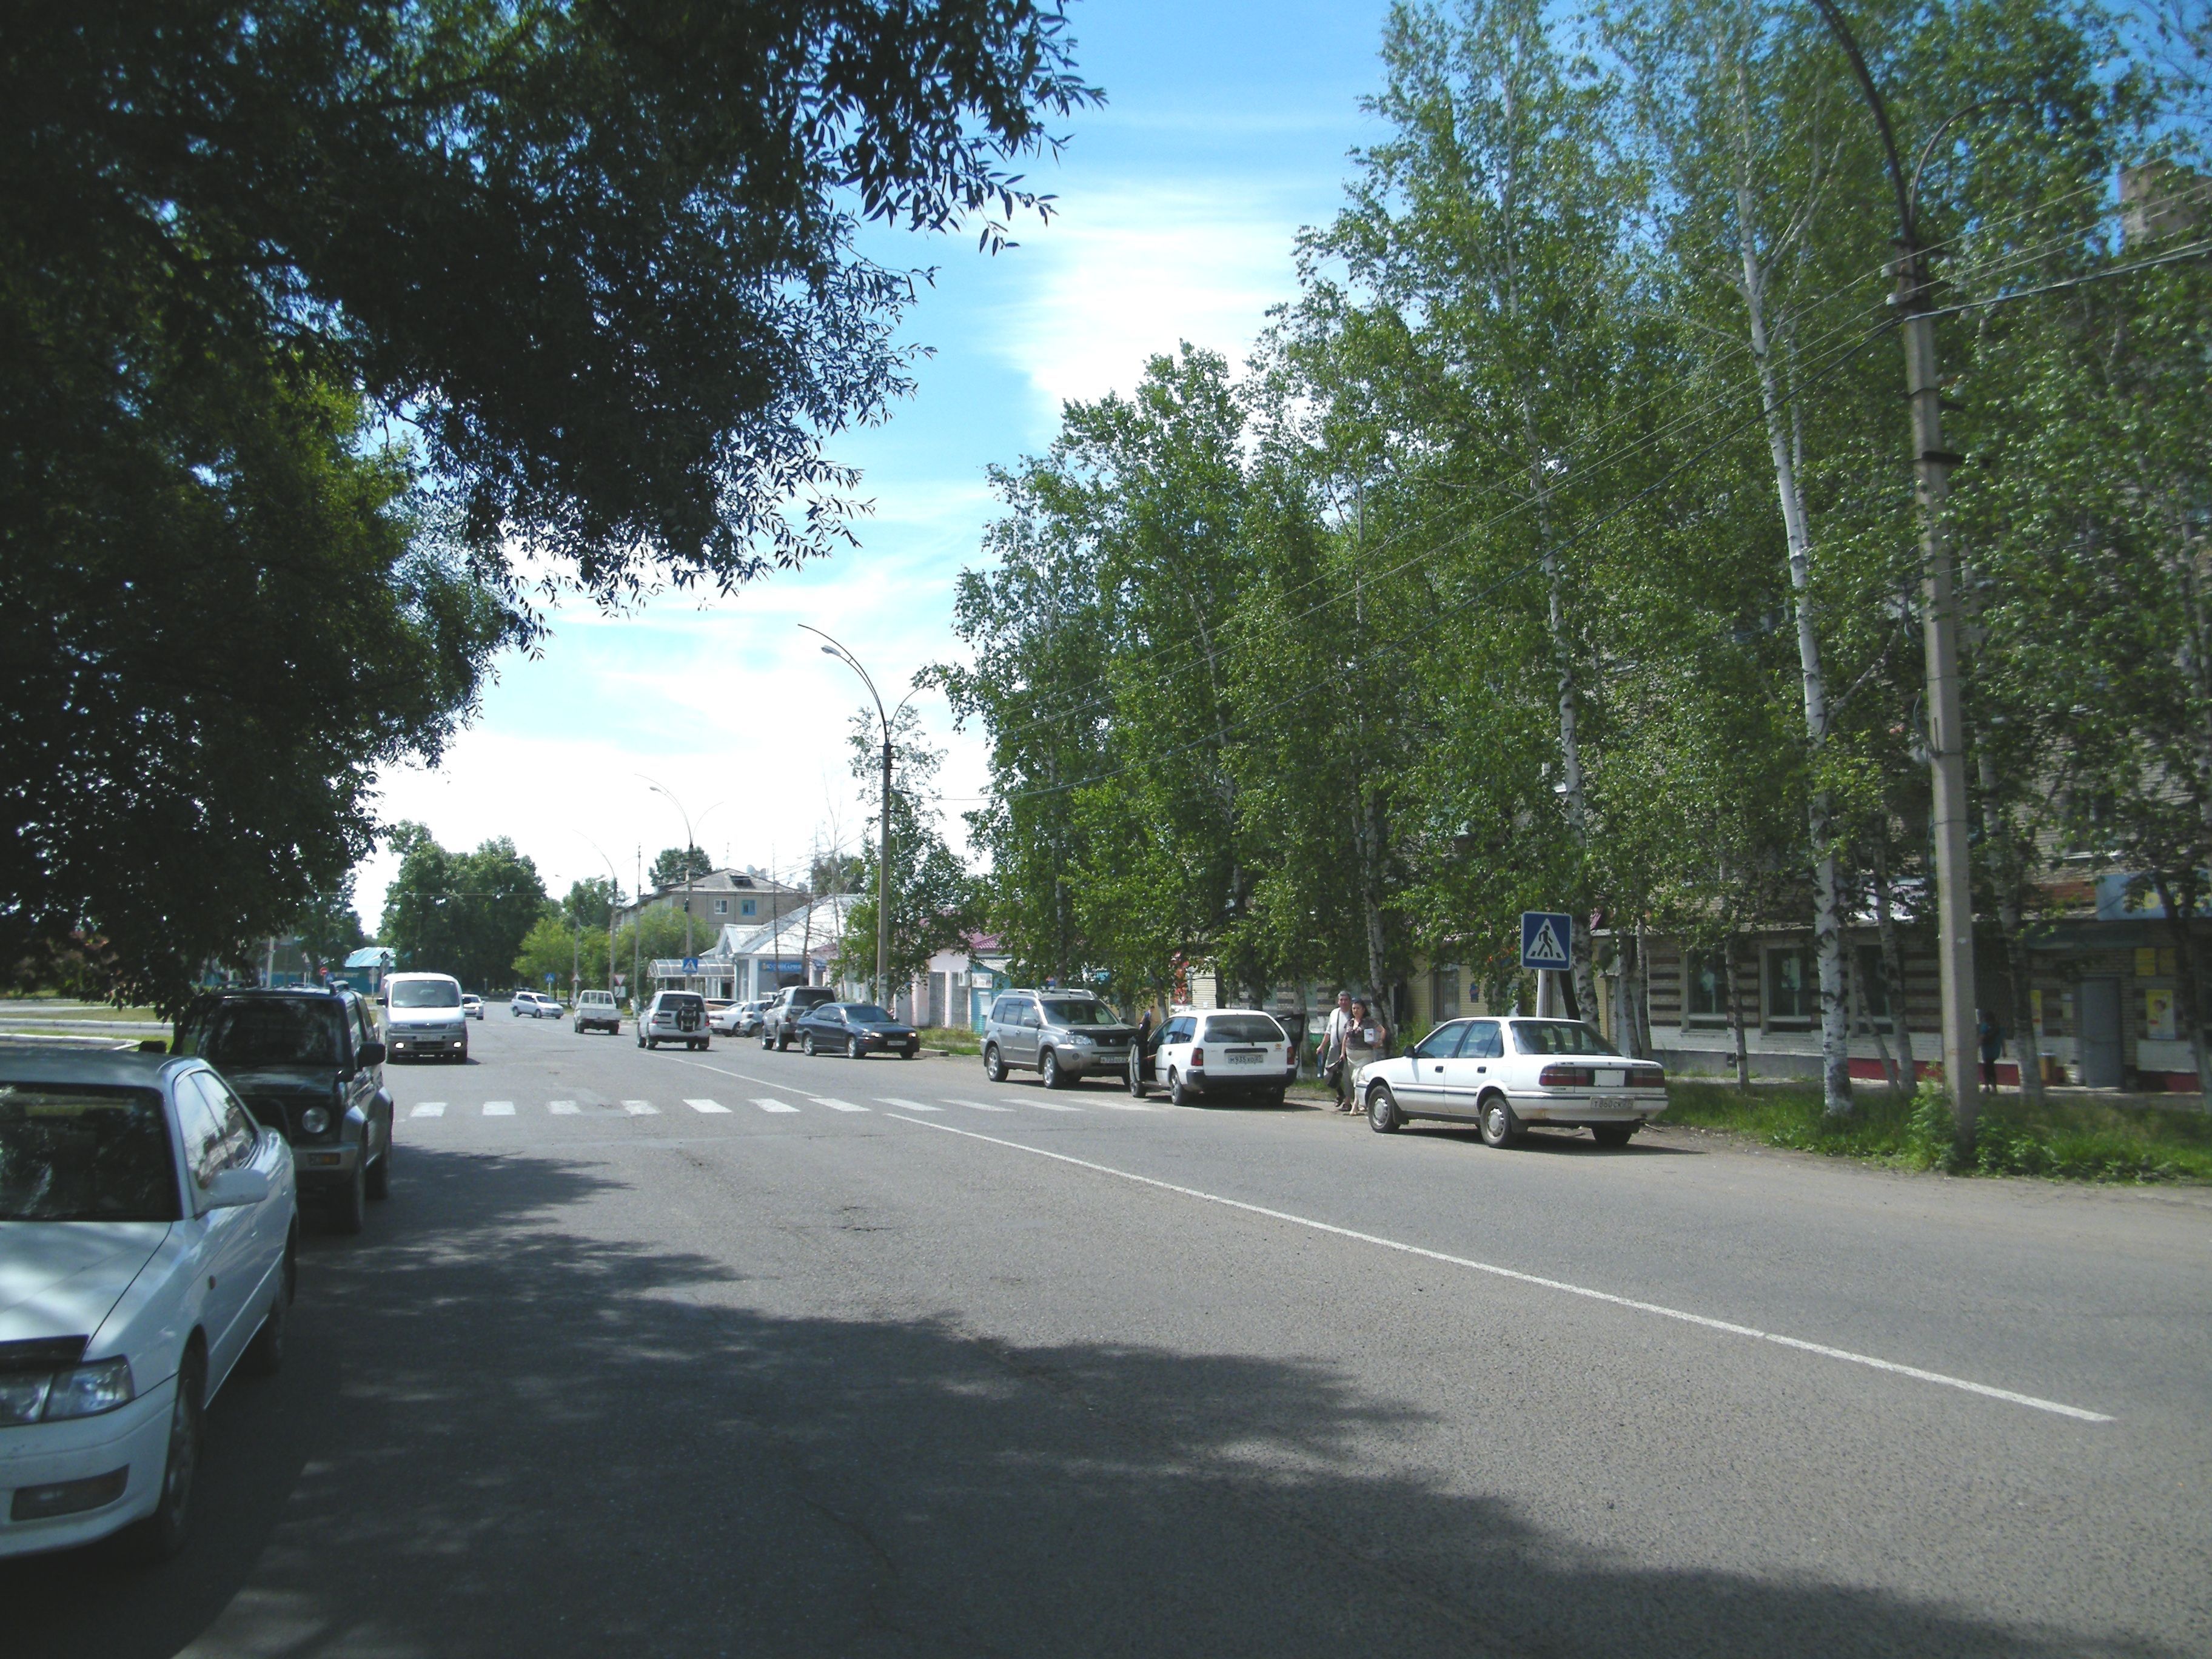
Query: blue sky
{"points": [[1226, 129]]}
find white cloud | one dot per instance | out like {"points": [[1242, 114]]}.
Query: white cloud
{"points": [[1124, 276]]}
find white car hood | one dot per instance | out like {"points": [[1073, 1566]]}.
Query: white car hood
{"points": [[61, 1278]]}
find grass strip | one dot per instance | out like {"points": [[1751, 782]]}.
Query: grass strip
{"points": [[2062, 1140]]}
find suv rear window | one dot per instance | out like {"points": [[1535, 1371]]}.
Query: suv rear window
{"points": [[1242, 1027], [676, 1001]]}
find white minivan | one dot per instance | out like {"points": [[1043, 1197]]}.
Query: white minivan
{"points": [[423, 1018]]}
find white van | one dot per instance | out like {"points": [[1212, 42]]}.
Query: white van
{"points": [[423, 1017]]}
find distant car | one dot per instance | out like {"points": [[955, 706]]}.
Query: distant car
{"points": [[149, 1234], [729, 1018], [856, 1029], [674, 1017], [310, 1065], [596, 1012], [424, 1017], [1503, 1073], [533, 1005], [780, 1017], [472, 1004], [1061, 1034], [1212, 1054]]}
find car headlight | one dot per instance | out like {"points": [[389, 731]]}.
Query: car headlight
{"points": [[315, 1120], [90, 1390], [1079, 1041]]}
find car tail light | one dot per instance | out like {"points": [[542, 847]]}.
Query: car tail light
{"points": [[1650, 1078], [1565, 1076], [1198, 1057]]}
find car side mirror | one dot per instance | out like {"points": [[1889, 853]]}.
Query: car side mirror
{"points": [[234, 1189], [372, 1054]]}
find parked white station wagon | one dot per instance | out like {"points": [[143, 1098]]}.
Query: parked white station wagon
{"points": [[1503, 1073]]}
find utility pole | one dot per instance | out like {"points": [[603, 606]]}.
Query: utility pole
{"points": [[1946, 736], [883, 838]]}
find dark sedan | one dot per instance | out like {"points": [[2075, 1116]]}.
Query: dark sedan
{"points": [[855, 1029]]}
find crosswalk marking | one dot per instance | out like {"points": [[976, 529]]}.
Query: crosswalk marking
{"points": [[1124, 1106], [706, 1106], [837, 1105], [562, 1108], [1045, 1105], [979, 1106], [499, 1108], [910, 1105], [429, 1109], [767, 1105], [640, 1108]]}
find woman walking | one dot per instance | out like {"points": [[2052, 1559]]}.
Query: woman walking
{"points": [[1366, 1039]]}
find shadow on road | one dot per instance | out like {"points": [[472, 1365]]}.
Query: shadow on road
{"points": [[499, 1437]]}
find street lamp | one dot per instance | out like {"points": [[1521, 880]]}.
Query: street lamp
{"points": [[614, 896], [690, 841], [1946, 745], [884, 839]]}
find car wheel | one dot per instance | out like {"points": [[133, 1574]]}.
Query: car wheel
{"points": [[1177, 1094], [1136, 1078], [162, 1534], [807, 1043], [1612, 1134], [1054, 1078], [264, 1355], [852, 1048], [912, 1052], [1382, 1113], [350, 1212], [994, 1067], [640, 1036], [1500, 1127]]}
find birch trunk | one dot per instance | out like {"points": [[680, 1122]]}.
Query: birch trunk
{"points": [[1827, 922], [1735, 1015]]}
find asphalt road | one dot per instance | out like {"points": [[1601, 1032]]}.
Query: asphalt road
{"points": [[879, 1359]]}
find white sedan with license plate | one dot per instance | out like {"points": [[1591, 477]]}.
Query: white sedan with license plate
{"points": [[148, 1232], [1501, 1074], [1216, 1053]]}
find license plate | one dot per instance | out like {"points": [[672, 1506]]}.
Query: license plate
{"points": [[1608, 1079], [1242, 1056]]}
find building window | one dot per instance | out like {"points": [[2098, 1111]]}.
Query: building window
{"points": [[721, 907], [1873, 987], [745, 906], [1704, 985], [1793, 986], [1447, 993]]}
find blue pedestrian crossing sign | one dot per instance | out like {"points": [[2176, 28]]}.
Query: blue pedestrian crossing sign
{"points": [[690, 964], [1545, 937]]}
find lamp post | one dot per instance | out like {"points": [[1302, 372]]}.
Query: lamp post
{"points": [[883, 839], [690, 844], [614, 898], [1946, 744]]}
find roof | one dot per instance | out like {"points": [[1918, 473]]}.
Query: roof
{"points": [[730, 881], [793, 932], [370, 956], [116, 1068]]}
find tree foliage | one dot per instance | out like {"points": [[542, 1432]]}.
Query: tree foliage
{"points": [[463, 914]]}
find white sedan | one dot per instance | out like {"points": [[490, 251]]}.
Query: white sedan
{"points": [[148, 1232], [1503, 1073]]}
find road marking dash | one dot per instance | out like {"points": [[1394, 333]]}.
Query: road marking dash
{"points": [[499, 1108], [977, 1105], [429, 1109], [562, 1108], [706, 1106], [1727, 1328], [640, 1108], [835, 1105], [768, 1105], [1044, 1105], [910, 1105]]}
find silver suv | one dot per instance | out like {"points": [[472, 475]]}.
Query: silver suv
{"points": [[673, 1017], [1061, 1035]]}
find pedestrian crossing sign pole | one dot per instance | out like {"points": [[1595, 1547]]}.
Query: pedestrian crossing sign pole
{"points": [[1545, 937]]}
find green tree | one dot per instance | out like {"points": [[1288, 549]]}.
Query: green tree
{"points": [[671, 866], [329, 927], [933, 904], [557, 945], [590, 903], [463, 914]]}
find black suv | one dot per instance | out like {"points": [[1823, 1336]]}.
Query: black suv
{"points": [[780, 1019], [310, 1064]]}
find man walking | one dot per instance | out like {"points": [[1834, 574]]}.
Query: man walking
{"points": [[1335, 1038]]}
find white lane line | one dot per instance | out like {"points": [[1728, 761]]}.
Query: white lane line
{"points": [[835, 1105], [499, 1108], [1042, 1105], [1124, 1106], [1727, 1328], [911, 1105], [640, 1108], [429, 1109], [977, 1105], [562, 1108], [768, 1105], [706, 1106]]}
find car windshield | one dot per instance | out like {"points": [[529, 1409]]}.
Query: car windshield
{"points": [[1558, 1036], [866, 1013], [70, 1153], [425, 994], [1243, 1028], [1070, 1011], [243, 1033]]}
